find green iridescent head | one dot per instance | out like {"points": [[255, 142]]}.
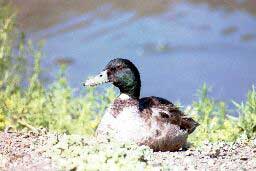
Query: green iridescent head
{"points": [[123, 74]]}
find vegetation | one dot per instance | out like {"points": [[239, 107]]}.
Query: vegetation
{"points": [[75, 152], [247, 113], [215, 122], [26, 104]]}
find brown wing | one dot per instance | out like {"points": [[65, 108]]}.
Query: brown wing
{"points": [[168, 112]]}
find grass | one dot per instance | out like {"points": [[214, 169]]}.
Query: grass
{"points": [[55, 108], [58, 109], [217, 124], [247, 114]]}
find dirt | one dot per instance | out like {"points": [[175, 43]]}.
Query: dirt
{"points": [[30, 151], [18, 152]]}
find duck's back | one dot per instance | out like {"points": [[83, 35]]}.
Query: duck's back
{"points": [[165, 111], [169, 126]]}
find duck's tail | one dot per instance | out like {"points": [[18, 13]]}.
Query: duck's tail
{"points": [[189, 124]]}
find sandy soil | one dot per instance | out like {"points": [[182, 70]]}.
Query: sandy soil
{"points": [[26, 151]]}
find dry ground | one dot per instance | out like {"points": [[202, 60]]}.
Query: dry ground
{"points": [[32, 151]]}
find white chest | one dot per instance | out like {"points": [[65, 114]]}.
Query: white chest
{"points": [[126, 126]]}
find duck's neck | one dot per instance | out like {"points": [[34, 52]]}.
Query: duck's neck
{"points": [[128, 81], [132, 91]]}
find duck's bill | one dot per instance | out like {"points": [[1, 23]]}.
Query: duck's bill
{"points": [[98, 79]]}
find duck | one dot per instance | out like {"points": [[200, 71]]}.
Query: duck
{"points": [[151, 121]]}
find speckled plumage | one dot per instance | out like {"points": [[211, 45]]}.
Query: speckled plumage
{"points": [[157, 125], [151, 121]]}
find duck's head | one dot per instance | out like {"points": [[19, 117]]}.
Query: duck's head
{"points": [[123, 74]]}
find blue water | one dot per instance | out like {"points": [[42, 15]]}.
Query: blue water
{"points": [[176, 51]]}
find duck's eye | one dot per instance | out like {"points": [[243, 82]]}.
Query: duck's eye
{"points": [[113, 69], [100, 75], [118, 67]]}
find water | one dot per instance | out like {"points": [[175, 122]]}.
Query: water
{"points": [[177, 45]]}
